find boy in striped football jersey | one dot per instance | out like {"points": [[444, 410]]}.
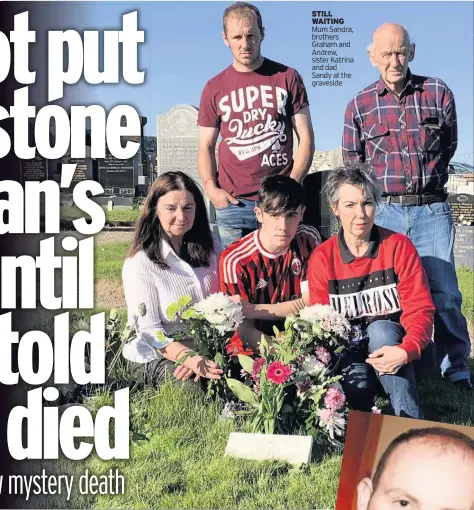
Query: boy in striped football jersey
{"points": [[267, 268]]}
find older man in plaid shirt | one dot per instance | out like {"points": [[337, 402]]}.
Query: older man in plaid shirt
{"points": [[404, 125]]}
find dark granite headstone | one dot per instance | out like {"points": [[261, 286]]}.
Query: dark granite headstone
{"points": [[318, 213], [34, 169], [117, 175], [462, 208], [464, 246]]}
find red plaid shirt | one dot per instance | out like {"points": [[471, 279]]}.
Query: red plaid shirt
{"points": [[408, 141]]}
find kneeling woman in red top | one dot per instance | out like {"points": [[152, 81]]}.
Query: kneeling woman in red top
{"points": [[375, 278]]}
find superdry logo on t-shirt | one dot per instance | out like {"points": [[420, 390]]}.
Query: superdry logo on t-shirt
{"points": [[258, 123]]}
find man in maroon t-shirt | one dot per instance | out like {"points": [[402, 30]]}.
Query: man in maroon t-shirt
{"points": [[254, 104]]}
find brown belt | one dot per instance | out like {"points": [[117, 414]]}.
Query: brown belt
{"points": [[415, 199]]}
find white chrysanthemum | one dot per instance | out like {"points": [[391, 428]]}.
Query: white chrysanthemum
{"points": [[329, 320], [312, 366], [220, 311], [316, 312]]}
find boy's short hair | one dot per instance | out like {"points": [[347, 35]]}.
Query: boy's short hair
{"points": [[280, 194]]}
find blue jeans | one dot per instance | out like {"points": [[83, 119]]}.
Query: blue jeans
{"points": [[431, 229], [236, 221], [361, 381]]}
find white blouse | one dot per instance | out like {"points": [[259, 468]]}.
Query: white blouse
{"points": [[145, 282]]}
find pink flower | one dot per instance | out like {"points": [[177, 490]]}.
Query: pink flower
{"points": [[376, 410], [278, 372], [303, 387], [333, 422], [257, 367], [323, 355], [326, 415], [334, 399]]}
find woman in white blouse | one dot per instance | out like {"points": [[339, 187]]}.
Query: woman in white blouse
{"points": [[173, 254]]}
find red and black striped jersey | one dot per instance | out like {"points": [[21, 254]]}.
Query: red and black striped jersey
{"points": [[260, 277]]}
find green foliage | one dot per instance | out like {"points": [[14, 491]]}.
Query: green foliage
{"points": [[243, 392], [246, 362]]}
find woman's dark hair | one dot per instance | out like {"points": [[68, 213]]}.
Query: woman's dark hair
{"points": [[197, 242]]}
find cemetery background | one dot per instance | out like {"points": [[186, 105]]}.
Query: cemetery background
{"points": [[178, 438]]}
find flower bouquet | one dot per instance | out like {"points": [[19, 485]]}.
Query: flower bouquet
{"points": [[211, 322], [292, 386]]}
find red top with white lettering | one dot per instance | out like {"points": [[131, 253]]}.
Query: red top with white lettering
{"points": [[389, 279], [253, 112], [246, 269]]}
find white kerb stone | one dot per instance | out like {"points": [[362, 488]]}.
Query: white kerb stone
{"points": [[110, 205], [292, 449]]}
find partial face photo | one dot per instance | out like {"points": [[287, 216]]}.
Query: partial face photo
{"points": [[391, 463], [423, 474], [176, 210]]}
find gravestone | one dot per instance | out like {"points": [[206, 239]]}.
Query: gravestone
{"points": [[464, 246], [34, 169], [462, 208], [119, 177], [318, 213], [177, 145]]}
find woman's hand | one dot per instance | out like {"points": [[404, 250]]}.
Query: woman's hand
{"points": [[388, 359], [203, 367], [247, 308], [183, 373]]}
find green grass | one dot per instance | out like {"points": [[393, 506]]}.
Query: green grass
{"points": [[181, 463], [466, 286], [117, 214], [108, 260]]}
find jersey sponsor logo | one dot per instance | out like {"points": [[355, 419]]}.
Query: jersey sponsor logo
{"points": [[296, 266], [261, 284]]}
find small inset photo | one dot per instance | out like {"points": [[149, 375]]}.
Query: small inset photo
{"points": [[392, 462]]}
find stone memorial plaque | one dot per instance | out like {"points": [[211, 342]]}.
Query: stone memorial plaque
{"points": [[34, 170], [117, 175], [464, 246], [177, 145], [462, 208]]}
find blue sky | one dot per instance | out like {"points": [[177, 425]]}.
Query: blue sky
{"points": [[183, 48]]}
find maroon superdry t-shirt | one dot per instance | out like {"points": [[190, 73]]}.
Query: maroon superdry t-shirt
{"points": [[253, 112]]}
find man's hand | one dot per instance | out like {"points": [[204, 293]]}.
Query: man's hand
{"points": [[219, 197], [203, 367], [388, 359]]}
